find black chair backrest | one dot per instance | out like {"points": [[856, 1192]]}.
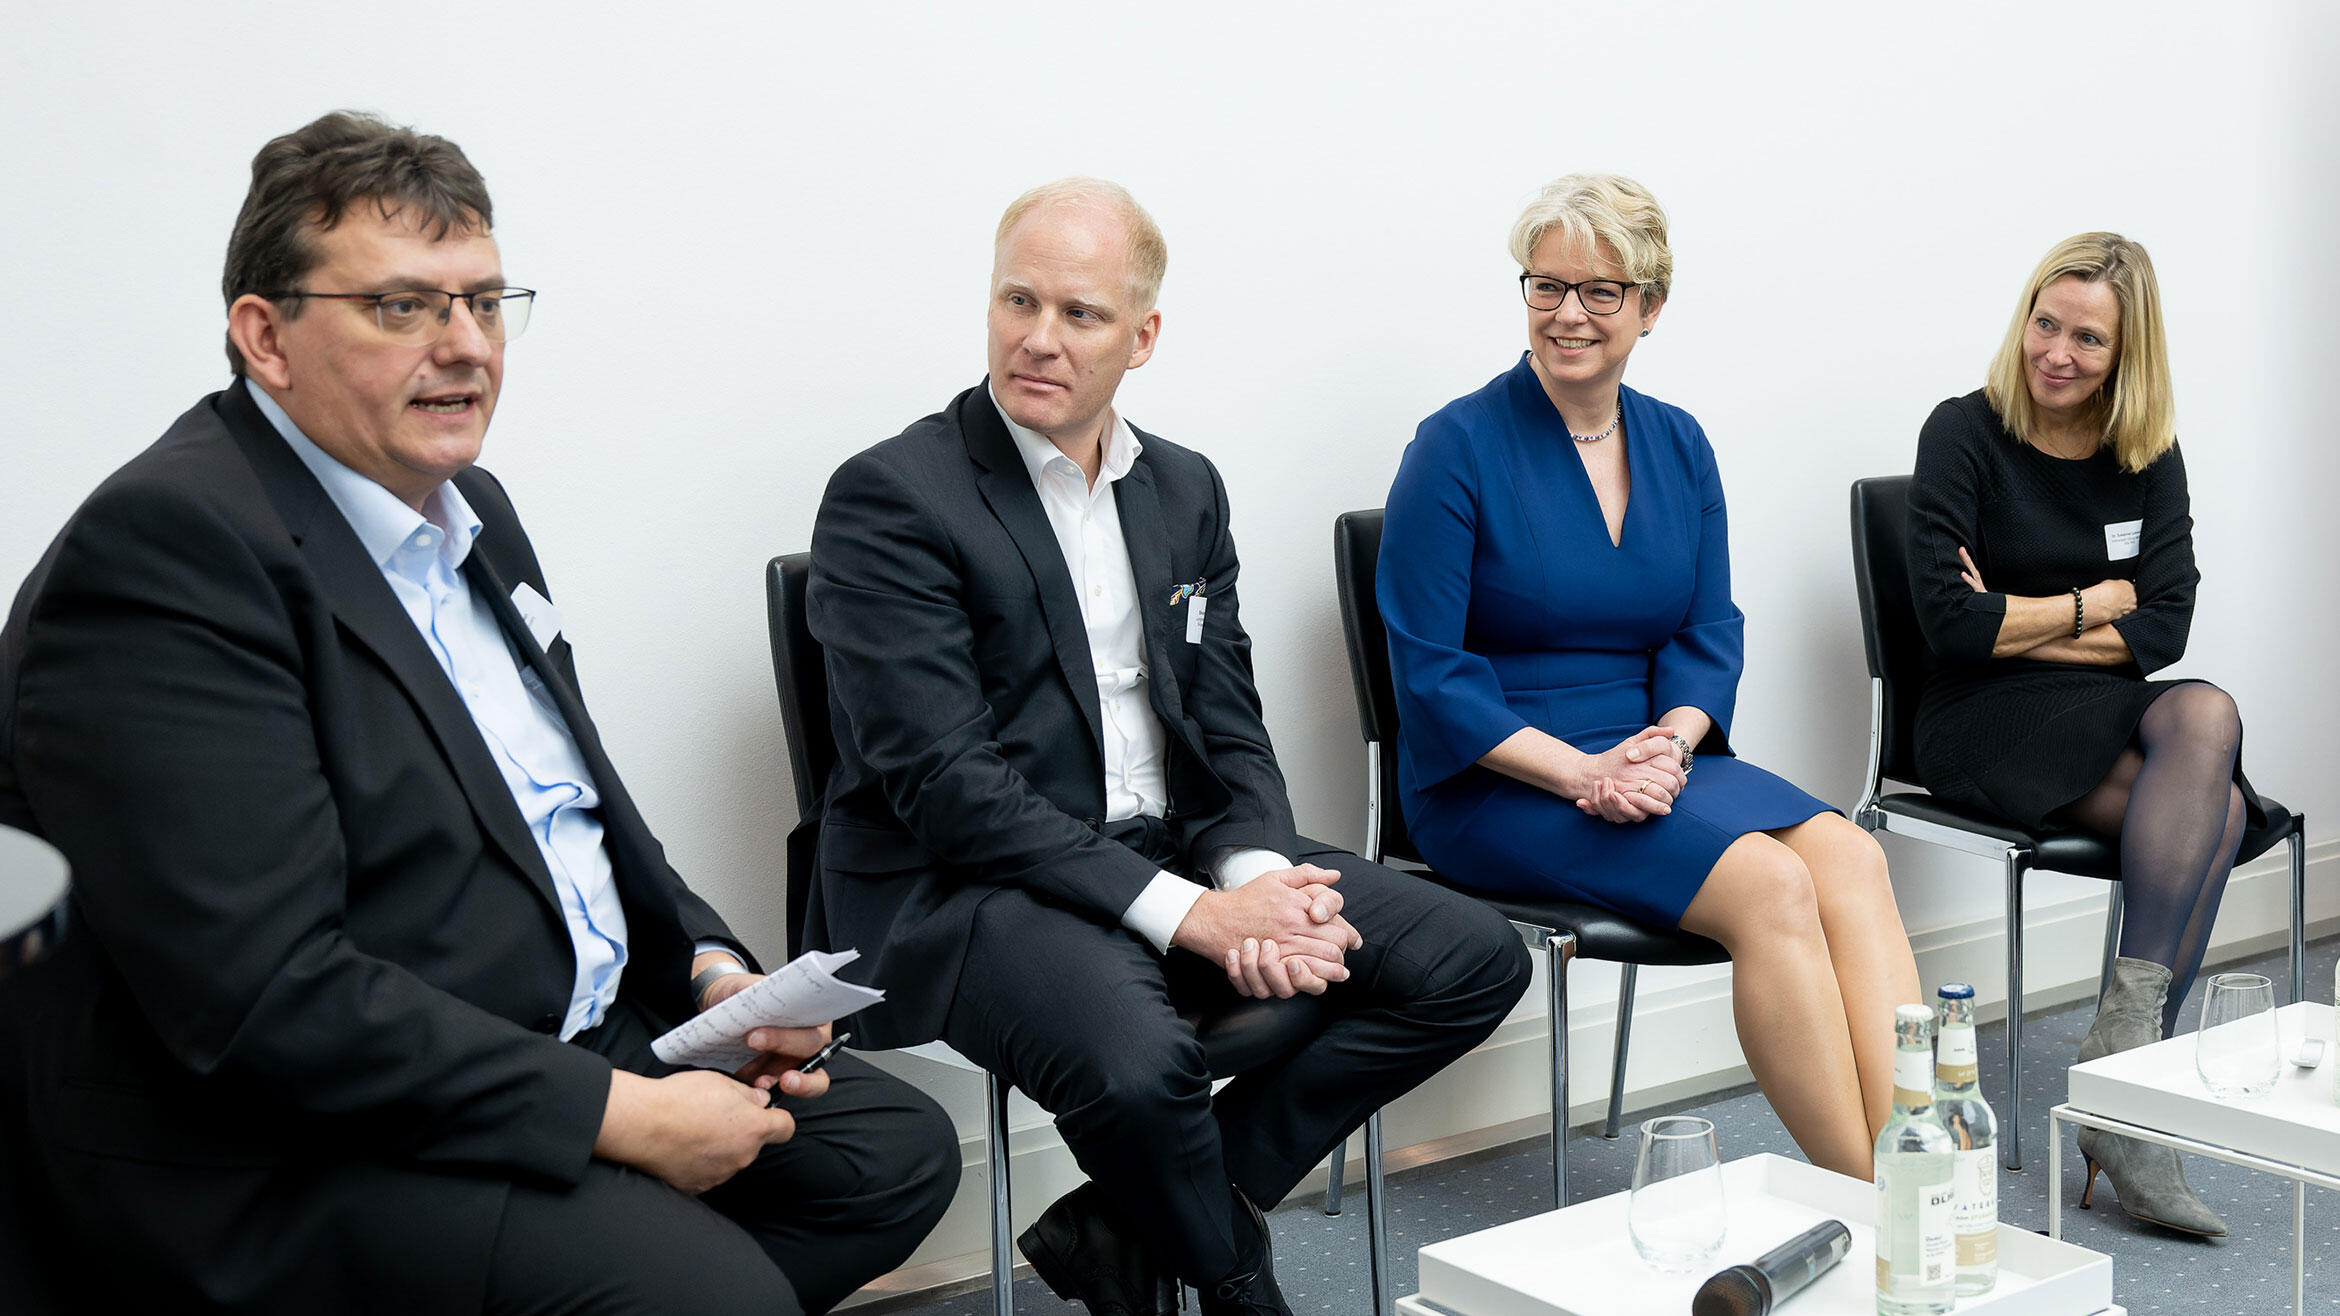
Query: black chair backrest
{"points": [[1356, 557], [798, 668], [803, 680], [1889, 627]]}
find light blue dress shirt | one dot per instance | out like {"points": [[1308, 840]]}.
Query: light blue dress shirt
{"points": [[421, 556]]}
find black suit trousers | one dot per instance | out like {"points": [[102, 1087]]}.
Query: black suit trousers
{"points": [[1086, 1020], [870, 1170]]}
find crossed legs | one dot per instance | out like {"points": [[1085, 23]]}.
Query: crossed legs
{"points": [[1819, 960], [2171, 801]]}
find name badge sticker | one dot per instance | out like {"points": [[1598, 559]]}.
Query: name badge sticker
{"points": [[1194, 618], [2120, 539], [543, 619]]}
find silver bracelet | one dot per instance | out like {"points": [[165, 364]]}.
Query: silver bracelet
{"points": [[706, 978], [1687, 756]]}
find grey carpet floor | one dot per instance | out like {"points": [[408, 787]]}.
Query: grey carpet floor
{"points": [[1321, 1260]]}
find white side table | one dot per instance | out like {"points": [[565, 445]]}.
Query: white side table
{"points": [[32, 898], [2153, 1094], [1581, 1262]]}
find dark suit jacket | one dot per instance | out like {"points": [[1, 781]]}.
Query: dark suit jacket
{"points": [[965, 705], [319, 959]]}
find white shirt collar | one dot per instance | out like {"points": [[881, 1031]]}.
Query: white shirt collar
{"points": [[1037, 450], [384, 524]]}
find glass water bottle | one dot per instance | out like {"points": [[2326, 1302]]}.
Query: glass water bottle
{"points": [[1974, 1132], [1916, 1172]]}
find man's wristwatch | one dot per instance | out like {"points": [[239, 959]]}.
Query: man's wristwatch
{"points": [[705, 978], [1684, 746]]}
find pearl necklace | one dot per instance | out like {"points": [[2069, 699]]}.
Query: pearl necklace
{"points": [[1596, 438]]}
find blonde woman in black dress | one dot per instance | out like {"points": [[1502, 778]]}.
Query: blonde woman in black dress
{"points": [[2051, 558]]}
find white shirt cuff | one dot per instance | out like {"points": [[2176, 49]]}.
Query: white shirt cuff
{"points": [[1235, 865], [1160, 908], [720, 948]]}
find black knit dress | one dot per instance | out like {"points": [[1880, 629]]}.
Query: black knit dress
{"points": [[2020, 737]]}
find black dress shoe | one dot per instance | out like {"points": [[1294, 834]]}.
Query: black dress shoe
{"points": [[1252, 1290], [1084, 1252], [1254, 1294]]}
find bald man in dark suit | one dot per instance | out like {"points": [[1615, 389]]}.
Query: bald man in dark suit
{"points": [[1057, 820]]}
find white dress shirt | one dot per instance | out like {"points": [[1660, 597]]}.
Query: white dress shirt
{"points": [[1087, 522], [421, 555]]}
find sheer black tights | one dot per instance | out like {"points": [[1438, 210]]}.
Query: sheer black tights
{"points": [[2172, 803]]}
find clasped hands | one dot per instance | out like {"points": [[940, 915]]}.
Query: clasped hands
{"points": [[696, 1128], [1633, 782], [1280, 933]]}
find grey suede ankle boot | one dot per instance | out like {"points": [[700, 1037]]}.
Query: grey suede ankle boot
{"points": [[2147, 1178]]}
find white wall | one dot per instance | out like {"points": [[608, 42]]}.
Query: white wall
{"points": [[762, 236]]}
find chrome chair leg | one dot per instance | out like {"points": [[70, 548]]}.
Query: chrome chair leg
{"points": [[2012, 1128], [1335, 1171], [2298, 843], [2114, 907], [1558, 951], [1376, 1217], [1625, 982], [1003, 1228]]}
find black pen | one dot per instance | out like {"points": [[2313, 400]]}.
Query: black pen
{"points": [[812, 1062], [821, 1057]]}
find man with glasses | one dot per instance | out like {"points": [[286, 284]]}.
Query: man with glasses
{"points": [[371, 941], [1057, 824]]}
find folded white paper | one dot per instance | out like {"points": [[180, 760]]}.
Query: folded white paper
{"points": [[803, 993]]}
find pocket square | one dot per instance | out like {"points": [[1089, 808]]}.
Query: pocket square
{"points": [[1185, 592]]}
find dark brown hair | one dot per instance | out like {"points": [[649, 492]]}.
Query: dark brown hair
{"points": [[306, 180]]}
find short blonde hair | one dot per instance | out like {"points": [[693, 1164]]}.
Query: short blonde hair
{"points": [[1149, 255], [2139, 406], [1600, 211]]}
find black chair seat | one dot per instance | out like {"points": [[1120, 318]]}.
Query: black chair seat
{"points": [[1601, 934], [1246, 1036], [2066, 851], [2060, 851]]}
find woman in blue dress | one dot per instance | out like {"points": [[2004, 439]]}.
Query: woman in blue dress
{"points": [[1555, 578]]}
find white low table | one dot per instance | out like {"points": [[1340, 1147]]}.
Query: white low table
{"points": [[1581, 1262], [2154, 1094], [33, 886]]}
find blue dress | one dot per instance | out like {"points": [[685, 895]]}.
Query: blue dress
{"points": [[1508, 607]]}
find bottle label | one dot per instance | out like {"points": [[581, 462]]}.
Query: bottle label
{"points": [[1884, 1219], [1976, 1216], [1937, 1236], [1913, 1079], [1934, 1207], [1956, 1065]]}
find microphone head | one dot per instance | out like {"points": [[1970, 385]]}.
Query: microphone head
{"points": [[1739, 1291]]}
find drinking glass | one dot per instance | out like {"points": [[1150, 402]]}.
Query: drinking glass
{"points": [[1676, 1214], [2238, 1052]]}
